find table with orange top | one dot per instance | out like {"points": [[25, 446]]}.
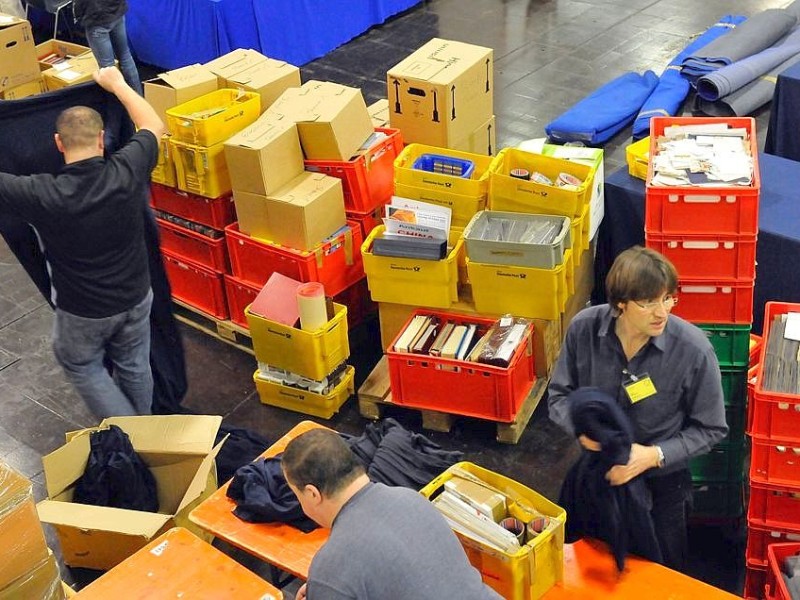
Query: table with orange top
{"points": [[278, 544], [178, 564]]}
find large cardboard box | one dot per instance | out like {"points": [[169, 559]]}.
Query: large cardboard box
{"points": [[332, 119], [300, 215], [269, 78], [18, 63], [22, 543], [41, 582], [71, 72], [264, 156], [233, 63], [178, 86], [180, 452], [53, 52], [442, 92], [31, 88], [481, 140]]}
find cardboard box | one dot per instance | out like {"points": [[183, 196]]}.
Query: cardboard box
{"points": [[264, 156], [489, 502], [332, 119], [71, 72], [379, 113], [481, 140], [53, 52], [269, 78], [232, 63], [442, 92], [178, 86], [299, 215], [32, 88], [22, 543], [18, 63], [180, 452], [42, 582]]}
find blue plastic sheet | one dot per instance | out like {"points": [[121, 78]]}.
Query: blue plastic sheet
{"points": [[672, 88], [605, 112]]}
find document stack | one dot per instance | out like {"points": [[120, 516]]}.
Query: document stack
{"points": [[773, 515], [701, 212]]}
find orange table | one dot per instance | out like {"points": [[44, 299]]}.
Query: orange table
{"points": [[178, 564], [590, 574], [279, 544]]}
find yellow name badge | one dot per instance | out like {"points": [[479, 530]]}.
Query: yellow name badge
{"points": [[640, 389]]}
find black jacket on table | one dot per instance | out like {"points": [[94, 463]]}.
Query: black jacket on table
{"points": [[94, 13], [618, 515]]}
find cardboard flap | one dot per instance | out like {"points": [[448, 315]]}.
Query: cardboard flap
{"points": [[101, 518], [261, 132], [200, 479], [179, 434], [186, 76], [63, 466]]}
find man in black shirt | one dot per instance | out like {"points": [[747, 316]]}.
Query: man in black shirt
{"points": [[89, 220]]}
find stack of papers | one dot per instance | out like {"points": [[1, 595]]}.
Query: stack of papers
{"points": [[471, 522], [415, 219], [703, 155]]}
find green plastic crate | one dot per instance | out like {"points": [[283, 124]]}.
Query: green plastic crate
{"points": [[718, 500], [736, 417], [723, 464], [734, 386], [731, 343]]}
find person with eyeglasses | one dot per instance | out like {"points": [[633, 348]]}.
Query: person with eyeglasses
{"points": [[663, 372]]}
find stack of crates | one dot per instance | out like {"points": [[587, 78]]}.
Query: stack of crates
{"points": [[709, 234], [773, 516], [191, 194], [313, 355]]}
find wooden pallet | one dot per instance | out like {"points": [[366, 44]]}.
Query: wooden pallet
{"points": [[223, 330], [375, 395]]}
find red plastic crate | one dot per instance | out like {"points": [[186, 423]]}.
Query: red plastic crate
{"points": [[213, 212], [712, 257], [459, 387], [774, 506], [336, 263], [193, 246], [754, 580], [367, 181], [720, 302], [196, 285], [707, 209], [239, 294], [358, 302], [775, 586], [774, 462], [758, 538], [368, 221]]}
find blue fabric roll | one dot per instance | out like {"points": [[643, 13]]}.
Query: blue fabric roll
{"points": [[604, 112], [672, 89], [728, 79], [758, 33]]}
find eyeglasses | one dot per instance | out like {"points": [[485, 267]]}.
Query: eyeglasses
{"points": [[667, 302]]}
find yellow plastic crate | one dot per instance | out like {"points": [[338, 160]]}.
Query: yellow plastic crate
{"points": [[580, 235], [303, 401], [518, 195], [201, 170], [214, 117], [538, 565], [463, 207], [426, 283], [476, 186], [164, 171], [312, 354], [521, 291], [638, 157]]}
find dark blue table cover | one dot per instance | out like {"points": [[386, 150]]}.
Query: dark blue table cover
{"points": [[175, 33], [783, 135], [777, 250]]}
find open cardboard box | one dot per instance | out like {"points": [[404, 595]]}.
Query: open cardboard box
{"points": [[180, 451]]}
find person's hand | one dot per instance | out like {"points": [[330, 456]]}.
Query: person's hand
{"points": [[109, 78], [642, 458], [302, 593], [589, 443]]}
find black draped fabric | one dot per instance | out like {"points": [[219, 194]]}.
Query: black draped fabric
{"points": [[395, 456], [618, 515], [263, 496], [27, 146], [115, 474], [241, 447]]}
